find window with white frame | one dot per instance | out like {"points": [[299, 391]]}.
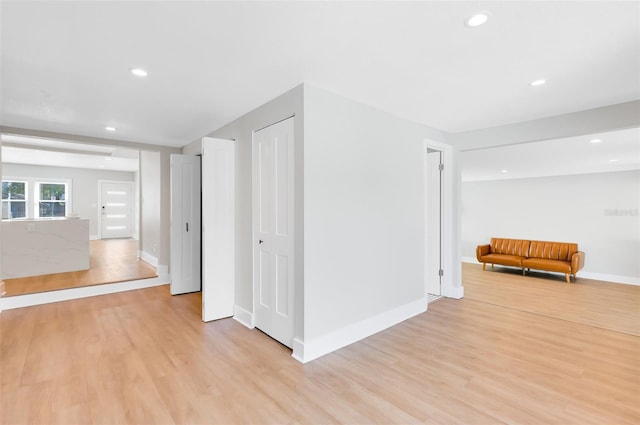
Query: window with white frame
{"points": [[14, 199], [51, 199]]}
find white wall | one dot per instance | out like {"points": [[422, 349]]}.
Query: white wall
{"points": [[574, 208], [359, 211], [364, 218], [84, 185], [150, 227]]}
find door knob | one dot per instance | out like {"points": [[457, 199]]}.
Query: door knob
{"points": [[260, 241]]}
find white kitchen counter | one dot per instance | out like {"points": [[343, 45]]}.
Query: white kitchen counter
{"points": [[32, 247]]}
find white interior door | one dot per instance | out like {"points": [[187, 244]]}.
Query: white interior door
{"points": [[218, 225], [185, 224], [116, 209], [273, 230], [434, 222]]}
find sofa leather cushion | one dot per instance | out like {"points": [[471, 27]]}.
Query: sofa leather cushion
{"points": [[515, 247], [552, 250], [507, 260], [547, 264]]}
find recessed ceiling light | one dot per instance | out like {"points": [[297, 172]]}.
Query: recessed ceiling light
{"points": [[138, 72], [476, 20], [110, 128], [504, 171], [540, 82], [108, 158], [613, 160], [596, 141], [100, 166]]}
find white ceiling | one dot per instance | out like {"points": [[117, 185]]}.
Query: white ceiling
{"points": [[64, 65], [616, 151]]}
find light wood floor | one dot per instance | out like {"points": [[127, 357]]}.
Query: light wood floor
{"points": [[145, 357], [589, 302], [111, 260]]}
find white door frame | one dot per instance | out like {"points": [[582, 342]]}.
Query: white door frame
{"points": [[448, 245], [133, 209]]}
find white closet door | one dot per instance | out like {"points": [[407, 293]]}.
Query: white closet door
{"points": [[273, 230], [185, 224]]}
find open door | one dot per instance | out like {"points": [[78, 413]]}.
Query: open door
{"points": [[434, 223], [185, 224], [218, 228]]}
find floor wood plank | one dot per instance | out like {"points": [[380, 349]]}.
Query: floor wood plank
{"points": [[145, 357], [110, 261]]}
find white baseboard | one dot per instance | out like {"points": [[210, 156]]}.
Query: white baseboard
{"points": [[145, 256], [305, 351], [163, 270], [19, 301], [243, 316], [628, 280], [94, 237], [455, 292], [298, 350]]}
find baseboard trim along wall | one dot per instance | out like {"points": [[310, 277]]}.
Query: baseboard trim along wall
{"points": [[457, 292], [627, 280], [298, 350], [243, 316], [145, 256], [26, 300], [305, 351]]}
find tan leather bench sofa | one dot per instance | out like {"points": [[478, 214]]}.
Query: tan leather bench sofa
{"points": [[562, 257]]}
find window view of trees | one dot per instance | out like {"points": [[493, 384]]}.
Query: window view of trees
{"points": [[14, 203], [51, 201]]}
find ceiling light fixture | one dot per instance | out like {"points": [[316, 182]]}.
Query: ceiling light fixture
{"points": [[476, 20], [536, 83], [594, 141], [138, 72], [110, 128], [504, 171], [108, 158], [613, 160]]}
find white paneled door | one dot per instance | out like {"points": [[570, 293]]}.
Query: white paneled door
{"points": [[273, 230], [116, 209], [185, 224]]}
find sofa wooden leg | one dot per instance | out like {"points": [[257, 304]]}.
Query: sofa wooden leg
{"points": [[523, 272], [568, 276], [484, 265]]}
